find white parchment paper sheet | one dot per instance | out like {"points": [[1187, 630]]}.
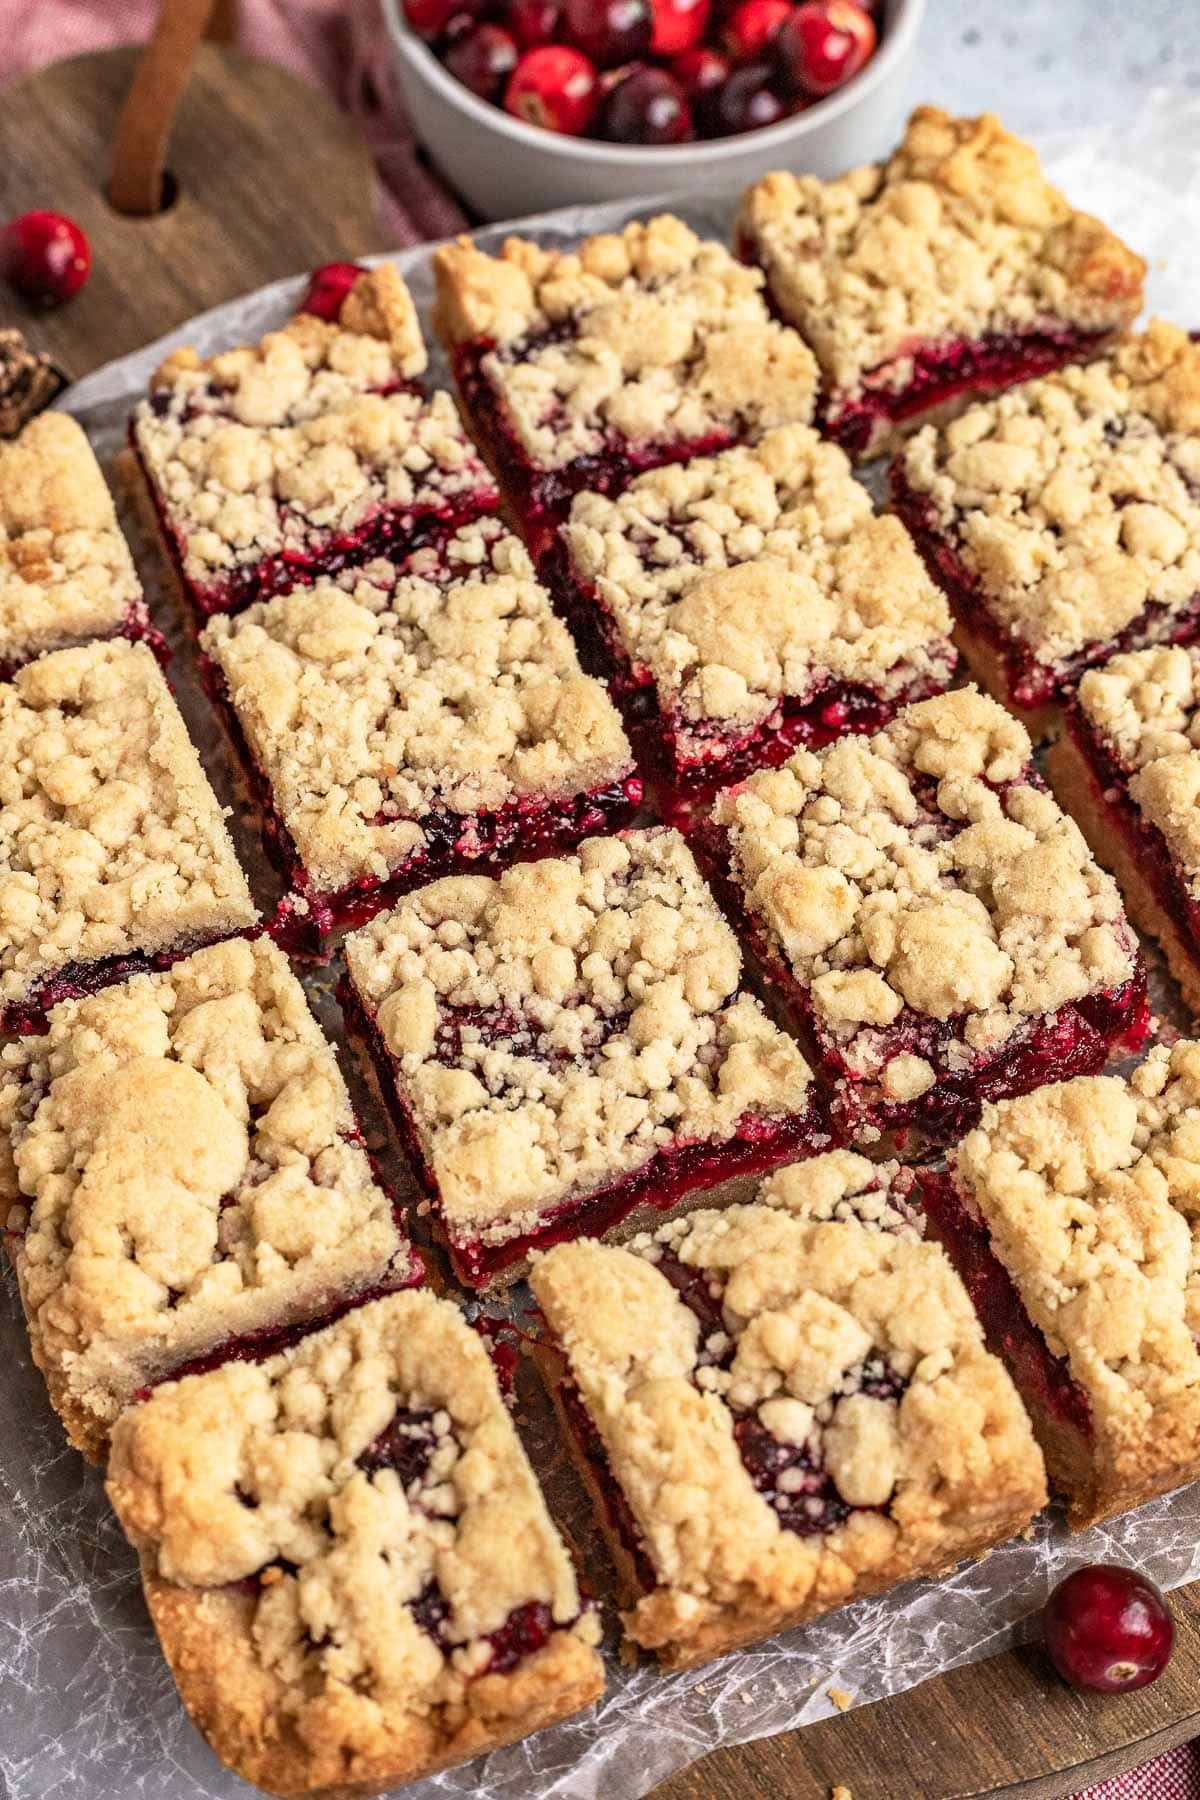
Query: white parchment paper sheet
{"points": [[87, 1709]]}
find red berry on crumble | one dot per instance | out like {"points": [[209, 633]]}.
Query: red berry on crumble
{"points": [[554, 87], [327, 289], [44, 256]]}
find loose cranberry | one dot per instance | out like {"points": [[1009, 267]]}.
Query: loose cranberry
{"points": [[648, 107], [701, 73], [1108, 1629], [753, 25], [748, 100], [44, 256], [328, 287], [609, 31], [555, 87], [678, 25], [533, 22], [483, 60], [822, 46]]}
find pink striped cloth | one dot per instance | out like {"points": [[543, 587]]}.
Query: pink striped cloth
{"points": [[340, 45]]}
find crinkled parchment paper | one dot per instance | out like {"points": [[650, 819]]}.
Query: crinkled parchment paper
{"points": [[87, 1709]]}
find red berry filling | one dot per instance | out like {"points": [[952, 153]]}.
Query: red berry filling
{"points": [[1030, 682], [758, 1144], [137, 626]]}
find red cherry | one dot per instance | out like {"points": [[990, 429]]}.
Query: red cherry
{"points": [[609, 31], [752, 26], [1108, 1629], [555, 87], [748, 101], [701, 73], [44, 256], [483, 60], [327, 289], [678, 25], [647, 107], [823, 45], [533, 22]]}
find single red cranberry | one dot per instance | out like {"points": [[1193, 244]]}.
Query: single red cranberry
{"points": [[753, 25], [483, 60], [748, 100], [823, 45], [555, 87], [678, 25], [609, 31], [327, 289], [429, 18], [1108, 1629], [701, 73], [44, 256], [533, 22], [648, 107]]}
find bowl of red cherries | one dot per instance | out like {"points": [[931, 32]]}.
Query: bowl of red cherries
{"points": [[526, 105]]}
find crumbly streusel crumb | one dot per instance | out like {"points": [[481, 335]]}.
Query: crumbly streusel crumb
{"points": [[957, 235], [445, 682], [111, 839], [65, 569], [557, 1027], [742, 578], [651, 334]]}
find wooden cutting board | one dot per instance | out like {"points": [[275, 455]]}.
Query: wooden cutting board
{"points": [[251, 208]]}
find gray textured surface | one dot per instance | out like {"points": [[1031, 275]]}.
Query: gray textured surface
{"points": [[1045, 64]]}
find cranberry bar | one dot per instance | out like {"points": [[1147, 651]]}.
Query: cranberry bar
{"points": [[268, 466], [568, 1048], [66, 574], [750, 602], [406, 720], [1071, 1216], [1128, 770], [952, 270], [113, 848], [1063, 519], [347, 1558], [934, 921], [185, 1174], [780, 1408], [579, 368]]}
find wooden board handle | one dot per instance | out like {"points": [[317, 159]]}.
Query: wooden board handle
{"points": [[139, 160]]}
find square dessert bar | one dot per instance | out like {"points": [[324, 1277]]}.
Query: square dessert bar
{"points": [[347, 1558], [113, 848], [66, 574], [749, 602], [270, 465], [185, 1176], [1071, 1215], [568, 1049], [781, 1407], [935, 923], [405, 720], [953, 269], [1063, 519], [1127, 768], [579, 368]]}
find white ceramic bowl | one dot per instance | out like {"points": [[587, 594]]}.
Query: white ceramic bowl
{"points": [[503, 167]]}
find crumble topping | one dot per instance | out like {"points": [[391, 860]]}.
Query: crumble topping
{"points": [[561, 1025], [957, 235], [1146, 708], [111, 839], [65, 569], [1073, 502], [850, 1352], [370, 1477], [925, 870], [370, 700], [1090, 1191], [741, 578], [650, 334], [184, 1168]]}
